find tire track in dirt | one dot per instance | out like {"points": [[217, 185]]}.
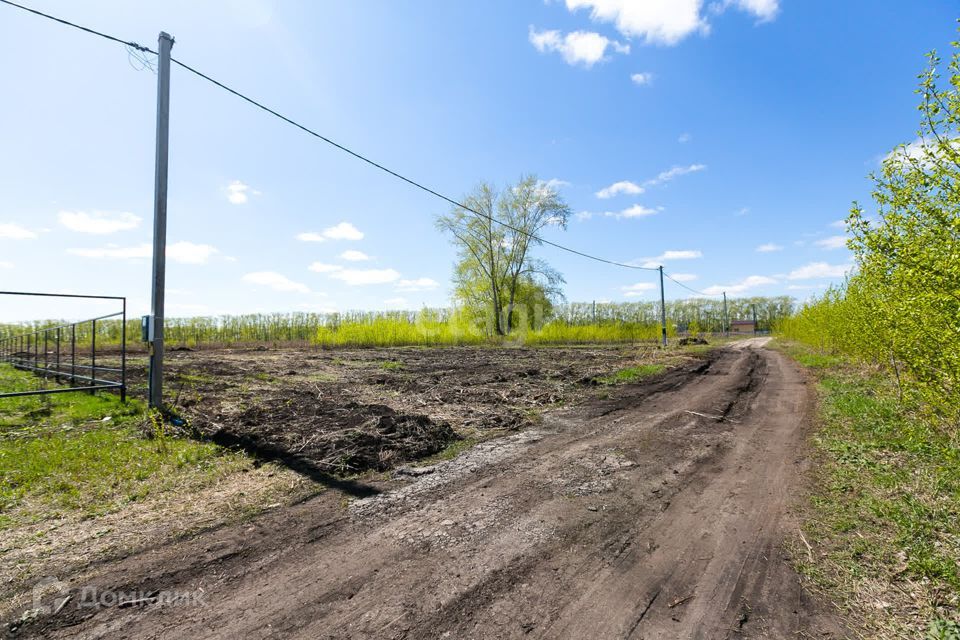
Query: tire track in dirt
{"points": [[658, 513]]}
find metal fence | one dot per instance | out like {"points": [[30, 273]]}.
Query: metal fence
{"points": [[67, 353]]}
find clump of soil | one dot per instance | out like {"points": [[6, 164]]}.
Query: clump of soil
{"points": [[683, 342], [299, 428]]}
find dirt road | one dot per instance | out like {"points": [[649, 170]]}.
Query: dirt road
{"points": [[657, 513]]}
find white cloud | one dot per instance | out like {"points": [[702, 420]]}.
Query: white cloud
{"points": [[15, 231], [764, 10], [683, 254], [112, 251], [321, 267], [239, 192], [656, 21], [684, 138], [683, 277], [355, 277], [190, 253], [915, 150], [920, 152], [749, 282], [667, 256], [556, 184], [839, 224], [642, 79], [6, 264], [833, 242], [638, 289], [665, 21], [98, 222], [584, 48], [674, 172], [182, 252], [816, 270], [742, 211], [276, 281], [624, 186], [396, 302], [343, 231], [636, 211], [769, 247], [354, 256], [418, 284]]}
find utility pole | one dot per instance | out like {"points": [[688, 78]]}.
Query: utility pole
{"points": [[754, 318], [726, 321], [663, 310], [160, 221]]}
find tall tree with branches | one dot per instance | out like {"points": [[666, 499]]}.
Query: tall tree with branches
{"points": [[495, 261]]}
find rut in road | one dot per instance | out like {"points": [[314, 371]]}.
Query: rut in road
{"points": [[659, 513]]}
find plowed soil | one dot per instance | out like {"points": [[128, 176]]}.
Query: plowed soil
{"points": [[659, 511]]}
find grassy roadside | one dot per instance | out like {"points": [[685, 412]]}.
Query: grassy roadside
{"points": [[86, 454], [883, 521], [78, 481]]}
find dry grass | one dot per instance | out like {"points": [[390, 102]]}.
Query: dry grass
{"points": [[65, 545]]}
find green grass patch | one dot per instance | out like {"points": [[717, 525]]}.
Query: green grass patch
{"points": [[391, 365], [632, 374], [195, 378], [74, 452], [885, 510]]}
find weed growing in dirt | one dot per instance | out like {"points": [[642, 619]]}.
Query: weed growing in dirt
{"points": [[632, 374], [885, 516]]}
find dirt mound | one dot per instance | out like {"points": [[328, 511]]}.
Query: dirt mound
{"points": [[683, 342], [343, 438]]}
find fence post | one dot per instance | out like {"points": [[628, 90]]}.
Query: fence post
{"points": [[73, 355], [93, 355], [726, 320], [123, 354]]}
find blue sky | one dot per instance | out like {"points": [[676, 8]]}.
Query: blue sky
{"points": [[737, 132]]}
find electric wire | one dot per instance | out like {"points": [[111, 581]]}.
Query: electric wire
{"points": [[128, 43], [337, 145], [699, 293]]}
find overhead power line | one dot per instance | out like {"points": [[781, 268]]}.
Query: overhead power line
{"points": [[399, 176], [699, 293], [128, 43], [337, 145]]}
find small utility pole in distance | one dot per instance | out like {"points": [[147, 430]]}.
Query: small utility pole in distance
{"points": [[663, 310], [726, 321], [754, 318], [160, 221]]}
